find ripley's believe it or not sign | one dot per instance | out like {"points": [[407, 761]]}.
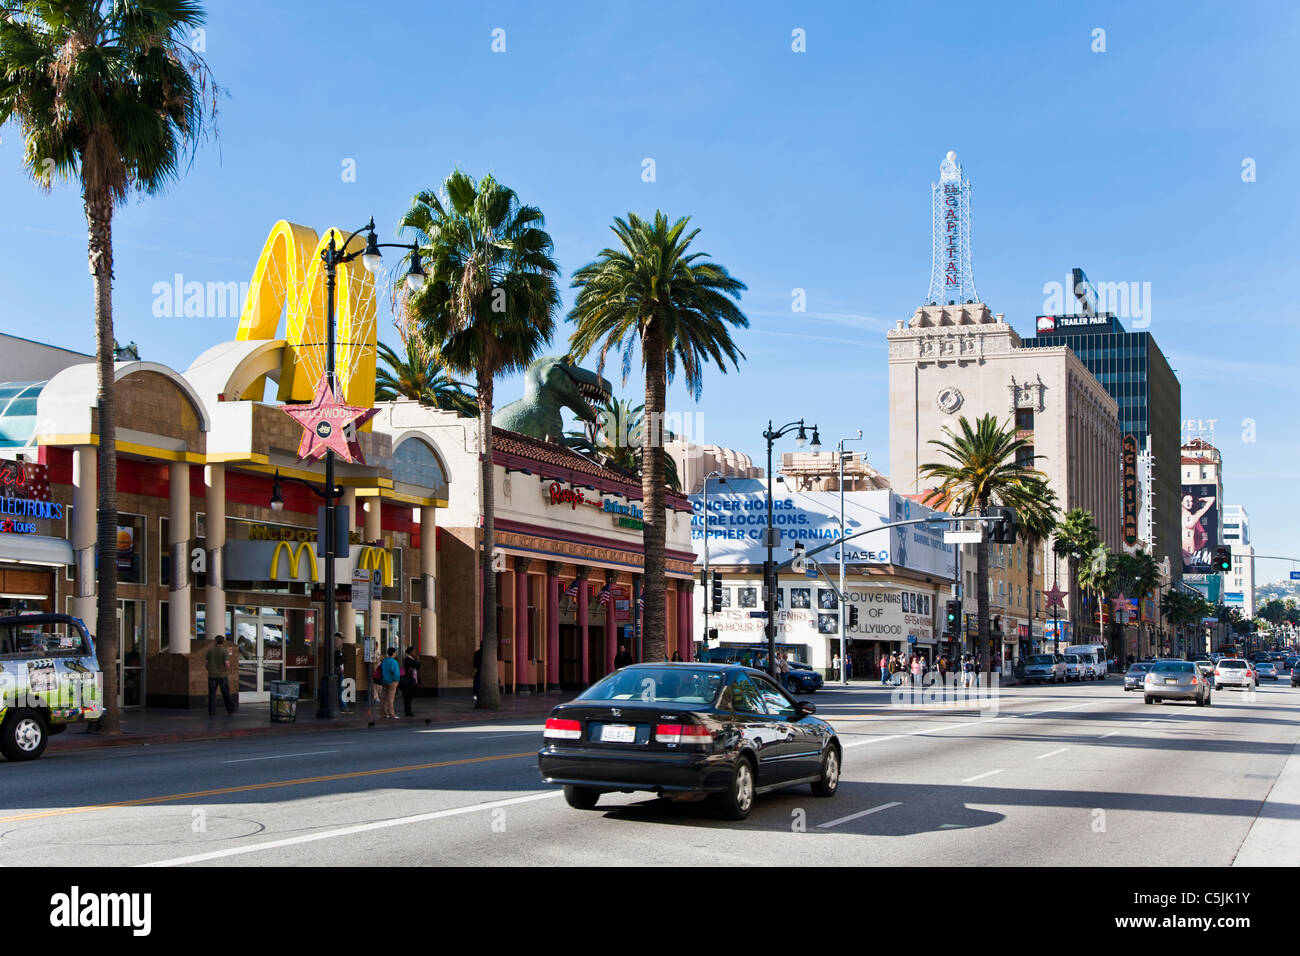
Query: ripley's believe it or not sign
{"points": [[625, 516]]}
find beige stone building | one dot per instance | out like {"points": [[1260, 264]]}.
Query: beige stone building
{"points": [[961, 360]]}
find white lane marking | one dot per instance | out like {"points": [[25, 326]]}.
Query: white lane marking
{"points": [[860, 813], [309, 753], [1111, 734], [970, 723], [349, 831], [510, 730], [981, 776], [1051, 753]]}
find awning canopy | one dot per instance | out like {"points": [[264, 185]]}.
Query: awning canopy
{"points": [[35, 549]]}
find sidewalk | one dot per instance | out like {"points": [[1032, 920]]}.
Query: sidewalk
{"points": [[1274, 838], [163, 726]]}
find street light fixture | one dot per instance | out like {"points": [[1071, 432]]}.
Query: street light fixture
{"points": [[769, 576], [332, 256]]}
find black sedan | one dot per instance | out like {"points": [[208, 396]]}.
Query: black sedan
{"points": [[688, 731], [803, 679]]}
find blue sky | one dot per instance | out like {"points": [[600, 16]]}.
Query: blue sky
{"points": [[803, 170]]}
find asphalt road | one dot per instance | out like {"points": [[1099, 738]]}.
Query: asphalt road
{"points": [[1080, 774]]}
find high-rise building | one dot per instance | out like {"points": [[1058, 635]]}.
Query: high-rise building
{"points": [[958, 360], [1239, 588], [1202, 503], [1133, 370]]}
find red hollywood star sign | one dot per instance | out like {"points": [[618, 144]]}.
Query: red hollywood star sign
{"points": [[323, 423]]}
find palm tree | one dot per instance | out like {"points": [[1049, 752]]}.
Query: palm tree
{"points": [[615, 440], [1137, 575], [422, 375], [109, 93], [1075, 537], [1037, 524], [982, 471], [490, 300], [677, 305]]}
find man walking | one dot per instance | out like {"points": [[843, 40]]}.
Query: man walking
{"points": [[623, 658], [218, 662]]}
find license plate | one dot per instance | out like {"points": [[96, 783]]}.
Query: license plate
{"points": [[618, 734], [1171, 680]]}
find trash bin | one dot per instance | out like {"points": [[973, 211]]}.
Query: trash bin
{"points": [[284, 701]]}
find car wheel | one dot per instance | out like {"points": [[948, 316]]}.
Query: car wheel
{"points": [[1218, 687], [1208, 700], [1199, 701], [24, 735], [1147, 699], [830, 780], [581, 798], [738, 799]]}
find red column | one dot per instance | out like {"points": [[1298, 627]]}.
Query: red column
{"points": [[583, 598], [552, 626], [683, 622], [611, 632], [522, 677]]}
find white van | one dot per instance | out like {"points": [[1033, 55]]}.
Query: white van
{"points": [[1092, 655]]}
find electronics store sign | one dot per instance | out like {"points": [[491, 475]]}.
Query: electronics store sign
{"points": [[19, 515]]}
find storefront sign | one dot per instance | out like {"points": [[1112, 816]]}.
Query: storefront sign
{"points": [[31, 508], [1130, 453], [295, 554], [25, 479], [279, 532], [625, 515]]}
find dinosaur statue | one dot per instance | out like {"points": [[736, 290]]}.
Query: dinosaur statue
{"points": [[553, 382]]}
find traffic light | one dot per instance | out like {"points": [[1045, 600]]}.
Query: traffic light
{"points": [[853, 615], [1003, 531], [1222, 559], [953, 626], [717, 591]]}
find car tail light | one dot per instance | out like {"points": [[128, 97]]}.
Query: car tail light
{"points": [[562, 729], [1195, 680], [683, 734]]}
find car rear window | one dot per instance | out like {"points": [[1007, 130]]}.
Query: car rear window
{"points": [[41, 639], [1139, 668], [1174, 667], [1232, 665], [679, 685]]}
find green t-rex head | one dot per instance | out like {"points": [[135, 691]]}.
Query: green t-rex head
{"points": [[551, 383]]}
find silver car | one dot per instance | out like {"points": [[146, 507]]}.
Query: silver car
{"points": [[1045, 667], [1266, 670], [1175, 680], [1234, 672], [1136, 675]]}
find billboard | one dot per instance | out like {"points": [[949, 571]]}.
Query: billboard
{"points": [[1200, 512], [737, 517]]}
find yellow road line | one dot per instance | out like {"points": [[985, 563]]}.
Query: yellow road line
{"points": [[301, 781]]}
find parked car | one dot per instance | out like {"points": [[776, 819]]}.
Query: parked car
{"points": [[1295, 676], [804, 679], [688, 732], [51, 681], [1175, 680], [1043, 668], [1234, 672], [1136, 675]]}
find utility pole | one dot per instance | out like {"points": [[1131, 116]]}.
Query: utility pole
{"points": [[844, 642]]}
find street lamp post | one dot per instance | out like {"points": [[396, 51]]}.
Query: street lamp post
{"points": [[769, 575], [332, 256], [708, 596], [844, 643]]}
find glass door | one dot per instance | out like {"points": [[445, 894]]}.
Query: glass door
{"points": [[259, 638], [131, 653]]}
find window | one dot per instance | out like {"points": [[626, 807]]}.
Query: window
{"points": [[164, 626], [745, 696], [415, 463], [395, 592], [1024, 419], [131, 549], [775, 703]]}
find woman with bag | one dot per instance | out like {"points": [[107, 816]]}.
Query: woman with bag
{"points": [[389, 674], [410, 679]]}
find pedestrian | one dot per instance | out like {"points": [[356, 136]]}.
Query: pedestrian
{"points": [[677, 658], [478, 666], [219, 676], [915, 668], [624, 659], [410, 680], [783, 669], [884, 668], [390, 673], [848, 666], [943, 669], [925, 669], [967, 670]]}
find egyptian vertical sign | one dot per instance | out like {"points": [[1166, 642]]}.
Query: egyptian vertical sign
{"points": [[951, 277]]}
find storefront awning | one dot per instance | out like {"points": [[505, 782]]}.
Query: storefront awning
{"points": [[35, 549]]}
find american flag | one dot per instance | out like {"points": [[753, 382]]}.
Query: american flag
{"points": [[572, 589], [604, 596]]}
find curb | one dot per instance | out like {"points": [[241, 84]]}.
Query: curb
{"points": [[84, 741]]}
